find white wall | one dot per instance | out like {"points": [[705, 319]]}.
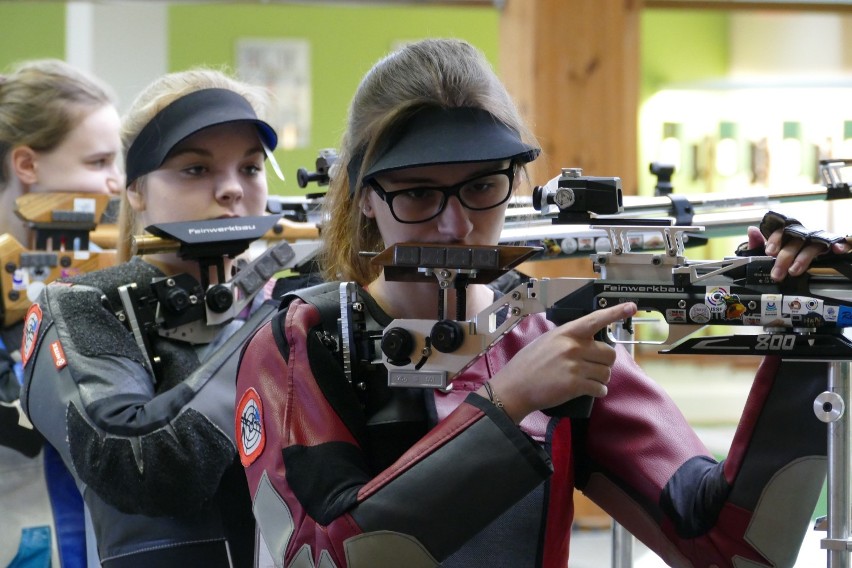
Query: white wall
{"points": [[771, 43], [123, 43]]}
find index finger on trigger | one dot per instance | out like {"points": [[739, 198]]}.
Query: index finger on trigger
{"points": [[592, 323]]}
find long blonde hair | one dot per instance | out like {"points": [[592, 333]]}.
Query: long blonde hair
{"points": [[41, 102], [154, 98], [435, 72]]}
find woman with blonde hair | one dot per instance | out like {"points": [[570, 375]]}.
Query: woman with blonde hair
{"points": [[59, 132], [139, 415]]}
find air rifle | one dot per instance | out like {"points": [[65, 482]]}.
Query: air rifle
{"points": [[60, 225], [801, 317]]}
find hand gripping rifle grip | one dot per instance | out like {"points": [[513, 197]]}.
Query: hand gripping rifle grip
{"points": [[565, 310]]}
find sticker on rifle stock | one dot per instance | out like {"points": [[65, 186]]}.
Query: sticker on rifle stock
{"points": [[844, 317], [802, 305], [251, 438], [770, 310], [830, 313], [770, 305], [20, 280], [752, 319], [32, 321], [715, 299], [586, 244], [699, 313], [569, 245], [676, 316]]}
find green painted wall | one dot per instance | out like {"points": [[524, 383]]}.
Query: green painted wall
{"points": [[681, 46], [344, 43], [31, 30]]}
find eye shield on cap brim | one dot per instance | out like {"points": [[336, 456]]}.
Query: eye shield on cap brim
{"points": [[183, 118], [437, 136]]}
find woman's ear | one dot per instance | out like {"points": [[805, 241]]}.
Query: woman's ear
{"points": [[24, 164], [521, 177], [367, 206], [135, 197]]}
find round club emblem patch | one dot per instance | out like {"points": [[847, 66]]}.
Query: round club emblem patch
{"points": [[251, 438], [32, 321]]}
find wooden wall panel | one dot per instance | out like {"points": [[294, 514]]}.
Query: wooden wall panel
{"points": [[573, 68]]}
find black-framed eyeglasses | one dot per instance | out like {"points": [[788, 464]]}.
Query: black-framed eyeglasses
{"points": [[421, 204]]}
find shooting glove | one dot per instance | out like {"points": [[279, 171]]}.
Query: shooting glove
{"points": [[773, 221]]}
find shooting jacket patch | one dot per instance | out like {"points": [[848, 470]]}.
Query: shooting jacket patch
{"points": [[249, 426], [59, 359], [32, 322]]}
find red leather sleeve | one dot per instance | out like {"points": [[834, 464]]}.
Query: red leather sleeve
{"points": [[645, 465]]}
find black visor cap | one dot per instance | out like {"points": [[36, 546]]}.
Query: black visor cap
{"points": [[437, 136], [183, 118]]}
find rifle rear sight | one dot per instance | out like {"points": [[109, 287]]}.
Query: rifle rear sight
{"points": [[325, 162], [578, 196]]}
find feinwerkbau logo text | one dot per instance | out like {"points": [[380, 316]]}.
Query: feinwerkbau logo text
{"points": [[640, 288], [226, 229]]}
